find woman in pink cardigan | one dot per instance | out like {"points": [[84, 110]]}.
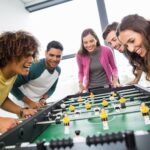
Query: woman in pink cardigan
{"points": [[96, 63]]}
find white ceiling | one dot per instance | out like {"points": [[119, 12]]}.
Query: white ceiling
{"points": [[31, 2], [34, 5]]}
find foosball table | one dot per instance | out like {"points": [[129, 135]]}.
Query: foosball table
{"points": [[107, 119]]}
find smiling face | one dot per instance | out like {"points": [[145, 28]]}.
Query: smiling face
{"points": [[52, 58], [113, 41], [90, 43], [133, 41], [20, 66], [23, 66]]}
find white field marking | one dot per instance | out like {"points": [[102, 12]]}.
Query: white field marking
{"points": [[105, 125], [141, 132], [100, 122], [146, 120], [66, 130], [79, 139]]}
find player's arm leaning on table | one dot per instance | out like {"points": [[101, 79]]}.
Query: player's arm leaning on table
{"points": [[17, 52], [49, 93], [35, 74], [42, 79]]}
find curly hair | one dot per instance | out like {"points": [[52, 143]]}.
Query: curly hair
{"points": [[17, 45]]}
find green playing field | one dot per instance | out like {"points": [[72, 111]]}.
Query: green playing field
{"points": [[89, 123]]}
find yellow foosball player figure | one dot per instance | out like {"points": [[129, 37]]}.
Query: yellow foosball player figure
{"points": [[88, 105], [103, 115], [80, 99], [92, 95], [104, 118], [144, 109], [145, 112], [122, 101], [71, 108], [104, 103], [66, 121], [113, 94]]}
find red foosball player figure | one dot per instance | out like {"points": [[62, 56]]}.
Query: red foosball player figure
{"points": [[66, 121], [145, 112], [122, 101], [104, 118]]}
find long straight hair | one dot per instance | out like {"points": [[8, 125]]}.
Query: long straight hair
{"points": [[86, 32]]}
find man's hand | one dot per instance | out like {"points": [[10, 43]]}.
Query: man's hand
{"points": [[35, 105], [132, 82], [7, 124], [32, 104], [27, 112]]}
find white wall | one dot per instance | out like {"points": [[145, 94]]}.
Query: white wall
{"points": [[119, 8], [13, 15]]}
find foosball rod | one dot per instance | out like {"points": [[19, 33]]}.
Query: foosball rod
{"points": [[107, 108], [100, 100], [87, 117], [109, 93], [102, 97]]}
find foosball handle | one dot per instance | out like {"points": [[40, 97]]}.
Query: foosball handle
{"points": [[2, 145], [127, 136], [41, 146], [130, 139]]}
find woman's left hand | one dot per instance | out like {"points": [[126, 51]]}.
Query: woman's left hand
{"points": [[115, 83]]}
